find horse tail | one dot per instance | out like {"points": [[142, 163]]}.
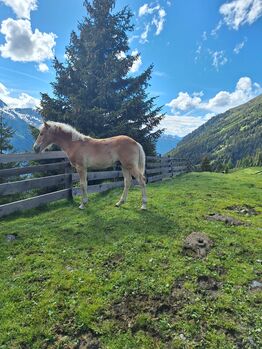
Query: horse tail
{"points": [[141, 159]]}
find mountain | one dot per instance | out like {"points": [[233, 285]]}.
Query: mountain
{"points": [[166, 142], [230, 137], [19, 120]]}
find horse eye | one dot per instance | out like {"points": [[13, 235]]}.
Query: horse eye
{"points": [[41, 134]]}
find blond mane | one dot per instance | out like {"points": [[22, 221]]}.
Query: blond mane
{"points": [[59, 126]]}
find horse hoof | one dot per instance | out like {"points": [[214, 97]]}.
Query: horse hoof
{"points": [[117, 204], [143, 208], [81, 207]]}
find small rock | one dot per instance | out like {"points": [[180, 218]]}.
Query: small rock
{"points": [[69, 268], [181, 336], [10, 237], [255, 284]]}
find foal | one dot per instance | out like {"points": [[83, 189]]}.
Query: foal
{"points": [[85, 152]]}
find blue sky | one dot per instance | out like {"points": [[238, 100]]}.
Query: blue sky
{"points": [[207, 54]]}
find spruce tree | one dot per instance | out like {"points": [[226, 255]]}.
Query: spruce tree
{"points": [[205, 164], [6, 133], [94, 90]]}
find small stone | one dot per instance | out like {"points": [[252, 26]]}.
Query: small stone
{"points": [[255, 284], [10, 237]]}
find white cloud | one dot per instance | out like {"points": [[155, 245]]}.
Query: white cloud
{"points": [[132, 38], [184, 102], [159, 73], [239, 12], [3, 90], [245, 90], [23, 45], [22, 8], [22, 101], [218, 58], [204, 36], [145, 9], [224, 100], [144, 35], [239, 47], [121, 55], [181, 125], [43, 68], [137, 63], [159, 21], [217, 28]]}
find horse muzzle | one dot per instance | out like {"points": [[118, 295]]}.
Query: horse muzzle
{"points": [[36, 148]]}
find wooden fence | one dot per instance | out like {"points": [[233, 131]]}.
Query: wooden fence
{"points": [[20, 172]]}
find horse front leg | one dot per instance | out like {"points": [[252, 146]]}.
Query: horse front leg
{"points": [[127, 183], [83, 185]]}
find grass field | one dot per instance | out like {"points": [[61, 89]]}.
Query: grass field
{"points": [[118, 278]]}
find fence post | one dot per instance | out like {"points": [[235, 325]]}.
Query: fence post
{"points": [[69, 180], [171, 165], [145, 174], [161, 166]]}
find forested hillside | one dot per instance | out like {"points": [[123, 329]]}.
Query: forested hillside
{"points": [[234, 137]]}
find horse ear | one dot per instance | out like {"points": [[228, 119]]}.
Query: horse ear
{"points": [[46, 124]]}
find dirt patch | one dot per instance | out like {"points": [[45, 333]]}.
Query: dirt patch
{"points": [[112, 262], [243, 209], [207, 284], [219, 269], [88, 341], [142, 312], [225, 219], [68, 336], [197, 245]]}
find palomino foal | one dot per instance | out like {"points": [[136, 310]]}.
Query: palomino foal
{"points": [[85, 153]]}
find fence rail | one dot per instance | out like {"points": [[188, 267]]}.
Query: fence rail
{"points": [[18, 175]]}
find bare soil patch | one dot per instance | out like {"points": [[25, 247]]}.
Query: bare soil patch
{"points": [[127, 311], [197, 245], [245, 209], [225, 219]]}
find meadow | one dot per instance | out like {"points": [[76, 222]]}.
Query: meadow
{"points": [[118, 278]]}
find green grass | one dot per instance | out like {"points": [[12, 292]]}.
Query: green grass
{"points": [[118, 279]]}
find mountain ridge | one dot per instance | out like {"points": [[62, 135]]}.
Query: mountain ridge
{"points": [[227, 137], [20, 119]]}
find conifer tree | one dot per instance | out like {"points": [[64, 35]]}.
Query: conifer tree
{"points": [[205, 164], [6, 133], [94, 90]]}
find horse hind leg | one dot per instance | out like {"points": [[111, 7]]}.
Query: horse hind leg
{"points": [[127, 183], [83, 185], [142, 182]]}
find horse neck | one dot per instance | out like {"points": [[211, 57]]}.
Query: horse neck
{"points": [[64, 140]]}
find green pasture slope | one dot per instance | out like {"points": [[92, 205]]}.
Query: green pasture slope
{"points": [[118, 279]]}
